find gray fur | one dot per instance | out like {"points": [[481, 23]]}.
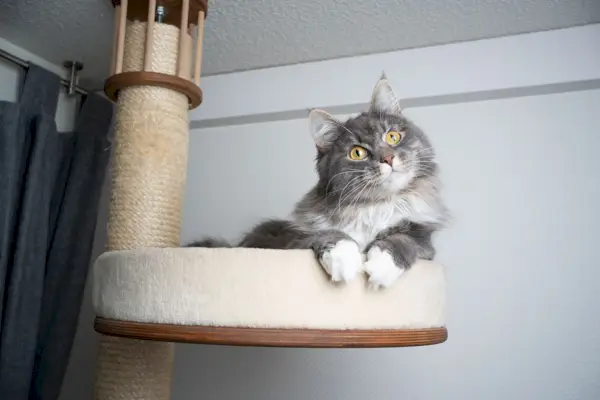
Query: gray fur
{"points": [[281, 234], [355, 200], [209, 242], [407, 242]]}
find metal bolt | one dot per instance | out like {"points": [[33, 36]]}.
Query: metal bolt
{"points": [[161, 12], [74, 67]]}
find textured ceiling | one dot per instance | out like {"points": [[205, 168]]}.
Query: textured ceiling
{"points": [[245, 34]]}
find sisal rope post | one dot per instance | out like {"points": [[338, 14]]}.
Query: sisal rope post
{"points": [[149, 167], [148, 176], [151, 155]]}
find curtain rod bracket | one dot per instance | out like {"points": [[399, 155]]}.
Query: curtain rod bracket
{"points": [[74, 67]]}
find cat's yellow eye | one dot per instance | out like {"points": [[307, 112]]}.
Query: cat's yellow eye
{"points": [[393, 137], [358, 153]]}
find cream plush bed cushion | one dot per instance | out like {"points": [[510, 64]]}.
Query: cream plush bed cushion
{"points": [[258, 288]]}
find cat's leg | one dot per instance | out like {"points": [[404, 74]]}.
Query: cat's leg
{"points": [[338, 254], [394, 251], [274, 234], [209, 243]]}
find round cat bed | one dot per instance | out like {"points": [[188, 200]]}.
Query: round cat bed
{"points": [[263, 298]]}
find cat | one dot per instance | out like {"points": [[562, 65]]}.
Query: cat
{"points": [[377, 201]]}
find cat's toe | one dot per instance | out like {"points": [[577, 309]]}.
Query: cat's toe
{"points": [[343, 261], [381, 268]]}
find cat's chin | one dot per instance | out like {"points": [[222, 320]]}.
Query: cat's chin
{"points": [[396, 181]]}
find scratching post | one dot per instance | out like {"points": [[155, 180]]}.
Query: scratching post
{"points": [[148, 292], [152, 85]]}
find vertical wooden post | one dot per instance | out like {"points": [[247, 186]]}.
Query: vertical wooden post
{"points": [[117, 22], [121, 37], [182, 37], [198, 62], [149, 35]]}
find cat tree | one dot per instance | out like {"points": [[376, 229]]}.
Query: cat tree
{"points": [[148, 293]]}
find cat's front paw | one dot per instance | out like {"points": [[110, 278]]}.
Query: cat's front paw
{"points": [[343, 261], [381, 268]]}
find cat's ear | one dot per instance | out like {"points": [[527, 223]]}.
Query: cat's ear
{"points": [[322, 128], [383, 99]]}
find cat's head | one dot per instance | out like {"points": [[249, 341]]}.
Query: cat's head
{"points": [[373, 155]]}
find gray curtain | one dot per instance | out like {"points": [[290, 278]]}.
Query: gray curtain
{"points": [[50, 185]]}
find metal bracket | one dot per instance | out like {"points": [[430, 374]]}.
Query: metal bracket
{"points": [[74, 67]]}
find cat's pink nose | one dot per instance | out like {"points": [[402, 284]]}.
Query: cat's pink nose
{"points": [[388, 160]]}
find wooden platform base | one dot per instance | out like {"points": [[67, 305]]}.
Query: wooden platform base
{"points": [[272, 337]]}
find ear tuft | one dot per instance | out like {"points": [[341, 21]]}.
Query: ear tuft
{"points": [[383, 98], [322, 128]]}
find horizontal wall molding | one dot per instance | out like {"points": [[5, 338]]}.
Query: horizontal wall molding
{"points": [[407, 103], [528, 64]]}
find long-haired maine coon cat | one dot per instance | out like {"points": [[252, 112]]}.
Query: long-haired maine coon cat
{"points": [[377, 201]]}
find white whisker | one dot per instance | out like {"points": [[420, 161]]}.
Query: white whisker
{"points": [[352, 171]]}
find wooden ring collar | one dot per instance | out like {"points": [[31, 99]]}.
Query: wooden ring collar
{"points": [[145, 78]]}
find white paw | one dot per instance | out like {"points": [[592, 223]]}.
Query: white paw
{"points": [[343, 261], [381, 268]]}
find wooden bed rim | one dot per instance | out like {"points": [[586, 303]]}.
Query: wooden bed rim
{"points": [[272, 337], [144, 78]]}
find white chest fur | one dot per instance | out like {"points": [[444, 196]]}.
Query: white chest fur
{"points": [[364, 223]]}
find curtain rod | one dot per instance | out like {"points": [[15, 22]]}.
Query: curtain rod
{"points": [[69, 84]]}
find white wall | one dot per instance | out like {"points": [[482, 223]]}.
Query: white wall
{"points": [[520, 176], [539, 62]]}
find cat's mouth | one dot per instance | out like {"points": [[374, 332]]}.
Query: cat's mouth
{"points": [[391, 174], [396, 180], [396, 172]]}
